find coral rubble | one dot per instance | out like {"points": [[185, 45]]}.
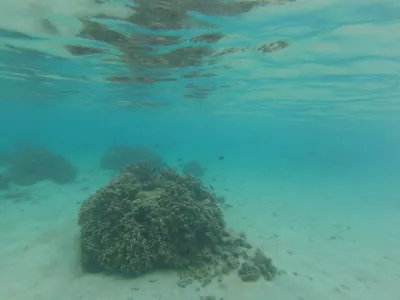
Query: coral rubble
{"points": [[249, 272], [149, 219]]}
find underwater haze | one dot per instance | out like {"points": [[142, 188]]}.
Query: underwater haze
{"points": [[199, 149]]}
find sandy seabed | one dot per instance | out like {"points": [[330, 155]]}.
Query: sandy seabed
{"points": [[334, 238]]}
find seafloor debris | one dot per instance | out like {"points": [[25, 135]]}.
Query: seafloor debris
{"points": [[149, 219], [118, 157], [193, 168], [34, 164]]}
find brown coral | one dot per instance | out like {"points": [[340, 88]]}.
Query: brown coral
{"points": [[146, 220]]}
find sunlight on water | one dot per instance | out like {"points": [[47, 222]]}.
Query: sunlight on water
{"points": [[275, 119], [281, 55]]}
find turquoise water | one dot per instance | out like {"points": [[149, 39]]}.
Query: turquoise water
{"points": [[291, 108]]}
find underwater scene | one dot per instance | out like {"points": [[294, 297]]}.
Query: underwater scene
{"points": [[199, 150]]}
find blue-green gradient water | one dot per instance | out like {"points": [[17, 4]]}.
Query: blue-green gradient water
{"points": [[292, 108]]}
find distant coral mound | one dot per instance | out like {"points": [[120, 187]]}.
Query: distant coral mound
{"points": [[4, 181], [5, 158], [148, 219], [118, 157], [31, 165], [193, 168]]}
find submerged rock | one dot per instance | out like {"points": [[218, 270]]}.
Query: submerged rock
{"points": [[148, 219], [249, 272], [193, 168], [32, 165]]}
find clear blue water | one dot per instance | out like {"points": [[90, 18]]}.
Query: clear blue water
{"points": [[309, 132]]}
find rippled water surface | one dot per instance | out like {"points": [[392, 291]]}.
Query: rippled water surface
{"points": [[290, 107]]}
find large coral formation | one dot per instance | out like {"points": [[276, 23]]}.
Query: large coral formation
{"points": [[193, 168], [118, 157], [31, 165], [148, 219]]}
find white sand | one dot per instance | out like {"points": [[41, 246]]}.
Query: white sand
{"points": [[334, 239]]}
